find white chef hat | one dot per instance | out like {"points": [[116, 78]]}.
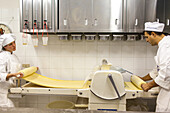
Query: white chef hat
{"points": [[6, 39], [154, 26]]}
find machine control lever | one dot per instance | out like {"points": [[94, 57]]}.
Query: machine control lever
{"points": [[113, 83]]}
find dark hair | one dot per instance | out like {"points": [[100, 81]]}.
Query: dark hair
{"points": [[158, 33], [3, 49]]}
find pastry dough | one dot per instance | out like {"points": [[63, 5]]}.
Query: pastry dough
{"points": [[130, 86], [28, 71], [31, 76], [137, 81]]}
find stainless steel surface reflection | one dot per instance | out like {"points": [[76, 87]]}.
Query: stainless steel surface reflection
{"points": [[76, 37], [63, 37], [104, 37], [131, 37], [118, 37], [90, 37]]}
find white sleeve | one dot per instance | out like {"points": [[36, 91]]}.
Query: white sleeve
{"points": [[162, 79], [154, 73], [12, 81], [3, 71], [3, 77]]}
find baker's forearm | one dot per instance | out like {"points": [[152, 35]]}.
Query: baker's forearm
{"points": [[9, 76], [146, 78], [14, 75]]}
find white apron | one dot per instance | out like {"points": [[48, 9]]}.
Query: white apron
{"points": [[163, 101], [13, 67]]}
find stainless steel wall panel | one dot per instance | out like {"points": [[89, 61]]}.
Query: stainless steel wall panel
{"points": [[64, 15], [37, 14], [26, 14], [75, 15], [163, 13], [80, 15], [160, 10], [101, 15], [135, 15], [90, 15], [56, 14], [108, 15], [21, 16], [117, 15], [167, 16], [150, 10], [48, 10]]}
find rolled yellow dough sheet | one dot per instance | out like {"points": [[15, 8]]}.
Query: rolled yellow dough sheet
{"points": [[137, 81], [28, 71], [130, 86], [31, 76]]}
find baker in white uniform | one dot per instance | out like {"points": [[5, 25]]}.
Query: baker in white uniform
{"points": [[160, 76], [9, 67]]}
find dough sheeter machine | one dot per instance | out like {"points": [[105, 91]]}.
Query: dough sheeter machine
{"points": [[106, 90]]}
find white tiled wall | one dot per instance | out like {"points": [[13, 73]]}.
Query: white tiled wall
{"points": [[69, 60]]}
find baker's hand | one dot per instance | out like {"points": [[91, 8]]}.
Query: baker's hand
{"points": [[18, 75], [145, 87]]}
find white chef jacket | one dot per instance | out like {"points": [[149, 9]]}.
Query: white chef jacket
{"points": [[9, 63], [161, 75]]}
